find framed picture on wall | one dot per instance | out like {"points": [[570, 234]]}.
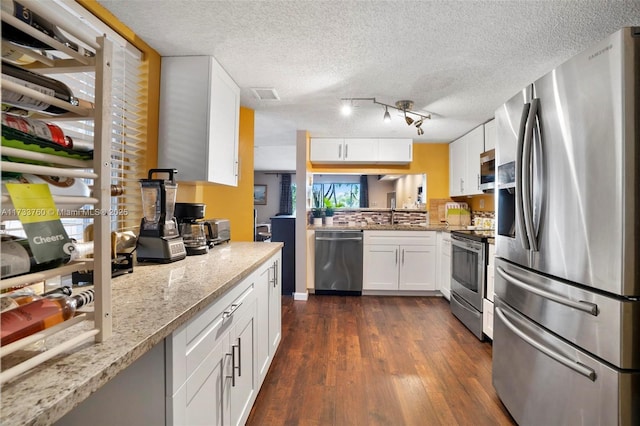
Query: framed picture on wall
{"points": [[260, 194]]}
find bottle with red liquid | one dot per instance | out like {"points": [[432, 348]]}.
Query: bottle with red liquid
{"points": [[40, 314]]}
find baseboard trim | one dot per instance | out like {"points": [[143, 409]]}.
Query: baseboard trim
{"points": [[301, 296], [431, 293]]}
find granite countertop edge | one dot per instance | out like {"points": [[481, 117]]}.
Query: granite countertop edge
{"points": [[388, 227], [148, 305]]}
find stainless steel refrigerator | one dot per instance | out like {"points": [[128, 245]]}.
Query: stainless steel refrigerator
{"points": [[566, 348]]}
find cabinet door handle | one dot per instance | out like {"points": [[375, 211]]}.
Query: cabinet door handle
{"points": [[396, 256], [403, 256], [229, 313], [239, 357], [233, 365], [275, 274], [478, 182], [339, 151], [346, 151]]}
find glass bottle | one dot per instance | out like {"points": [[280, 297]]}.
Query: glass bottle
{"points": [[48, 131], [40, 83], [17, 258], [40, 314], [27, 295], [9, 32]]}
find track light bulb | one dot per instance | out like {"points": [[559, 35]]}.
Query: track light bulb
{"points": [[420, 131], [387, 116], [419, 122], [346, 109], [409, 120]]}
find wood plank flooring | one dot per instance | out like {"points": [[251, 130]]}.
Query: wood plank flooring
{"points": [[377, 361]]}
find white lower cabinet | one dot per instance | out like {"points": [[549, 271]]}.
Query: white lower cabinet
{"points": [[399, 261], [487, 318], [275, 306], [269, 288], [487, 303], [244, 380], [216, 363], [444, 264]]}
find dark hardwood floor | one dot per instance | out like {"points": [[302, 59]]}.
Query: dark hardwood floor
{"points": [[377, 361]]}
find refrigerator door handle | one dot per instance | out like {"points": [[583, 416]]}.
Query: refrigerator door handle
{"points": [[589, 308], [527, 151], [520, 230], [562, 359]]}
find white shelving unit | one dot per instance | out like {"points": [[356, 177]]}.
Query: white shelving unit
{"points": [[99, 169]]}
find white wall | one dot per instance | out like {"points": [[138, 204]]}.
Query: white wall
{"points": [[407, 189], [265, 212], [378, 190]]}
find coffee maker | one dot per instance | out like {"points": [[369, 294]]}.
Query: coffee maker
{"points": [[194, 232], [159, 239]]}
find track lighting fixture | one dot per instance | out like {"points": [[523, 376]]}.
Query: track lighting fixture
{"points": [[404, 105]]}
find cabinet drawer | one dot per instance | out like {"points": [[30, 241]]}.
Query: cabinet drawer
{"points": [[188, 346], [205, 341], [423, 238]]}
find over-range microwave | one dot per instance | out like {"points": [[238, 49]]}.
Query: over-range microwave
{"points": [[488, 170]]}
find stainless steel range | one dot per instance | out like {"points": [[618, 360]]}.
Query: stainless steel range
{"points": [[469, 277]]}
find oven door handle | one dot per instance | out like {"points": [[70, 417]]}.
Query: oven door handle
{"points": [[465, 244], [562, 359], [583, 306]]}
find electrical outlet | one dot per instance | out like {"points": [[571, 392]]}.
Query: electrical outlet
{"points": [[482, 204]]}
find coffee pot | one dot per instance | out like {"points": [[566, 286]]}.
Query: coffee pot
{"points": [[193, 231]]}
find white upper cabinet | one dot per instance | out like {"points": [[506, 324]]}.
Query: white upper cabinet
{"points": [[327, 150], [199, 120], [395, 151], [490, 135], [457, 167], [464, 163], [360, 150]]}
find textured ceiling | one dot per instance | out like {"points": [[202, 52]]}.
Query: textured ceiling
{"points": [[457, 60]]}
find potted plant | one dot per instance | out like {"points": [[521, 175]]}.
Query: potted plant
{"points": [[317, 215], [328, 211], [316, 211]]}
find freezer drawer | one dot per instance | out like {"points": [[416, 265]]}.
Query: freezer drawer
{"points": [[600, 324], [543, 380]]}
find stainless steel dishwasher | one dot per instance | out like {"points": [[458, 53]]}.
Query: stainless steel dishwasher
{"points": [[338, 263]]}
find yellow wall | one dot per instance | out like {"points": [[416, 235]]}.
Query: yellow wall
{"points": [[230, 202], [428, 158], [474, 202]]}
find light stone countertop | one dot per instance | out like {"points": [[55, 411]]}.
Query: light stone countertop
{"points": [[147, 306], [388, 227]]}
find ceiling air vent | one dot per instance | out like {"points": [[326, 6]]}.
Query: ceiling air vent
{"points": [[266, 94]]}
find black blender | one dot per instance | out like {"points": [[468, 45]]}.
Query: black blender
{"points": [[159, 239], [194, 232]]}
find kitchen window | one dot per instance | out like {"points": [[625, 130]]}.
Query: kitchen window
{"points": [[343, 194]]}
